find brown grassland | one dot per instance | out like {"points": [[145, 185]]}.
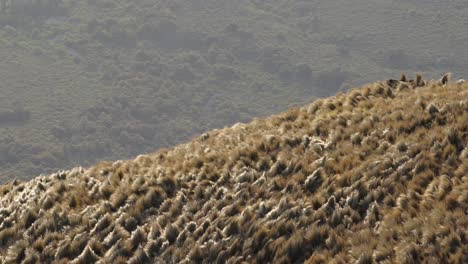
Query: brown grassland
{"points": [[376, 175]]}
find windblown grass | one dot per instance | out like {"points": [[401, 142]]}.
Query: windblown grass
{"points": [[375, 175]]}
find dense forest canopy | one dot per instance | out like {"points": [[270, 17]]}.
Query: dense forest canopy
{"points": [[108, 79]]}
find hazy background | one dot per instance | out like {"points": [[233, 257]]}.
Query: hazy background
{"points": [[82, 81]]}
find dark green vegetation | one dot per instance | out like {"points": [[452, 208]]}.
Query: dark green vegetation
{"points": [[82, 81], [378, 175]]}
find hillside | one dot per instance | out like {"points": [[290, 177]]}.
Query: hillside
{"points": [[83, 81], [379, 174]]}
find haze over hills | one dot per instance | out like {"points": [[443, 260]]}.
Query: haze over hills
{"points": [[379, 174], [83, 81]]}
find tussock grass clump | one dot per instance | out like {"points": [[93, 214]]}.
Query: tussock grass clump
{"points": [[17, 252], [31, 256], [138, 237], [87, 256], [7, 235], [118, 198], [314, 180], [140, 256], [171, 232], [168, 184]]}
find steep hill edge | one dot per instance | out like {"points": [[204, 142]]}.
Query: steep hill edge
{"points": [[377, 174]]}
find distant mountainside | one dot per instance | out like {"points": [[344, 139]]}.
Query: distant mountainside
{"points": [[379, 174], [83, 81]]}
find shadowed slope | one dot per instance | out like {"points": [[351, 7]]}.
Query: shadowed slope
{"points": [[378, 174]]}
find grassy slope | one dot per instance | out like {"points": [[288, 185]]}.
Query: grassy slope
{"points": [[63, 66], [378, 174]]}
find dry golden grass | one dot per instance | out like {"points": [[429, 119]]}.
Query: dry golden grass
{"points": [[379, 174]]}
